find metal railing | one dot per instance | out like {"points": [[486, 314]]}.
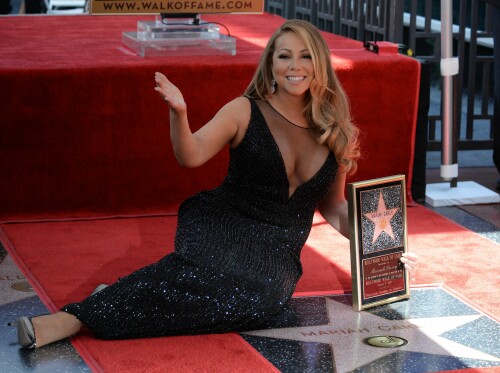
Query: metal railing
{"points": [[415, 24]]}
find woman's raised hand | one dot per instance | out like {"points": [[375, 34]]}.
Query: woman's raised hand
{"points": [[170, 93]]}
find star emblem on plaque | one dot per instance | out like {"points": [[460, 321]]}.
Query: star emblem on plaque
{"points": [[381, 219], [377, 219]]}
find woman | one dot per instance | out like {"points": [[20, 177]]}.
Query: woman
{"points": [[237, 247]]}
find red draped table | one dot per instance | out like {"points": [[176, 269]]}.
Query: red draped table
{"points": [[83, 133]]}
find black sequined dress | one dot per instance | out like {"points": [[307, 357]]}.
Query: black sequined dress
{"points": [[237, 249]]}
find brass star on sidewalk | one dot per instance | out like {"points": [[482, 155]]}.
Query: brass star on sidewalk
{"points": [[382, 219], [346, 331]]}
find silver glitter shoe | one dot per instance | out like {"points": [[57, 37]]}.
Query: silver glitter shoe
{"points": [[25, 332], [99, 288]]}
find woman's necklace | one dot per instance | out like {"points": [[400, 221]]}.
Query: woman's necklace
{"points": [[281, 115]]}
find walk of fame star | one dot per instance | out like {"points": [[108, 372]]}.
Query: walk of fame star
{"points": [[382, 219], [442, 333]]}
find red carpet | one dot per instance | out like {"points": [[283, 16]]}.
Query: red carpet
{"points": [[66, 260]]}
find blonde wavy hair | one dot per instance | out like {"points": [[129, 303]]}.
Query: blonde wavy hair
{"points": [[326, 106]]}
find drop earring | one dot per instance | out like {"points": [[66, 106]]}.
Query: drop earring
{"points": [[273, 85]]}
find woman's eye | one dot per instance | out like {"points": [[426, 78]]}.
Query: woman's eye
{"points": [[283, 56], [308, 56]]}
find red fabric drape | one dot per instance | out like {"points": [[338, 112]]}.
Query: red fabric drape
{"points": [[83, 133]]}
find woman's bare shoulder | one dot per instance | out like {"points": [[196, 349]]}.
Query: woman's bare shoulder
{"points": [[239, 105], [239, 110]]}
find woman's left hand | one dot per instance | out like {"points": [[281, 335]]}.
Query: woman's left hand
{"points": [[410, 260], [170, 93]]}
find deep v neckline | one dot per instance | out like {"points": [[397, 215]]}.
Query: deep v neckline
{"points": [[284, 173]]}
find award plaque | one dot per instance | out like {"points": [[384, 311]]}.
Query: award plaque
{"points": [[377, 220]]}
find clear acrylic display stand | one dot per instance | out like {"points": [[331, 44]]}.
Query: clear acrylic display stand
{"points": [[178, 37]]}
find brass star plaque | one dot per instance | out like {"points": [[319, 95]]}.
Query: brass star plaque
{"points": [[377, 220]]}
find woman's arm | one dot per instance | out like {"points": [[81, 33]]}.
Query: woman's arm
{"points": [[334, 206], [194, 149]]}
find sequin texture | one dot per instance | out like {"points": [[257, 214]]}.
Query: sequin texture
{"points": [[237, 251]]}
